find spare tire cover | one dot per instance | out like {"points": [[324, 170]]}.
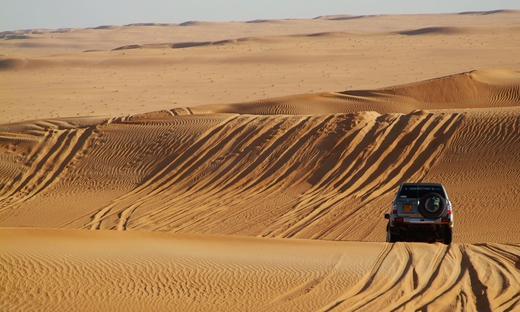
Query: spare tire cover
{"points": [[432, 205]]}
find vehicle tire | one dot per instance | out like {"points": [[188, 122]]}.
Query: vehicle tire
{"points": [[432, 205], [448, 235], [391, 237], [394, 238]]}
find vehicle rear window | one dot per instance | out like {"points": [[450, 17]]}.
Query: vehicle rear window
{"points": [[418, 191]]}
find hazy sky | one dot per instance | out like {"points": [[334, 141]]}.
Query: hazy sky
{"points": [[26, 14]]}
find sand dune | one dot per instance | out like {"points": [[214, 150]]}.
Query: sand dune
{"points": [[476, 89], [210, 31], [248, 165], [280, 168], [50, 75], [159, 271]]}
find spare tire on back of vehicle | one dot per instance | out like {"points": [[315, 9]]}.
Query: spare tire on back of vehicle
{"points": [[432, 205]]}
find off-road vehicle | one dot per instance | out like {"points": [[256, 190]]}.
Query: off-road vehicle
{"points": [[421, 212]]}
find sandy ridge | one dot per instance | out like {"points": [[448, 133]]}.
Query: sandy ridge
{"points": [[361, 23], [475, 89], [150, 170], [234, 157]]}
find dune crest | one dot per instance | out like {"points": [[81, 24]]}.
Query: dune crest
{"points": [[475, 89]]}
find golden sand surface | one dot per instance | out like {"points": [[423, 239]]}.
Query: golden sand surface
{"points": [[247, 166]]}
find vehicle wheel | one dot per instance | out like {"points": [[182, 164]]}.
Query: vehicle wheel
{"points": [[390, 237], [394, 238], [432, 205], [448, 234]]}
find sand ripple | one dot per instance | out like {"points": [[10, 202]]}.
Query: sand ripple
{"points": [[159, 271]]}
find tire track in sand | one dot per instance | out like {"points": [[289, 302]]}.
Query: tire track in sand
{"points": [[266, 156], [54, 154], [405, 146], [154, 183], [409, 277]]}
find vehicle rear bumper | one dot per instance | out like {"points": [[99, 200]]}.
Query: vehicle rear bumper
{"points": [[420, 221]]}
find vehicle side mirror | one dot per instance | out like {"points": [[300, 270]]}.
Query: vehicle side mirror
{"points": [[387, 216]]}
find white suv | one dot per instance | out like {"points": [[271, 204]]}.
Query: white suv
{"points": [[420, 212]]}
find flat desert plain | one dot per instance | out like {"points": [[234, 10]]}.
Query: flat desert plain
{"points": [[247, 166]]}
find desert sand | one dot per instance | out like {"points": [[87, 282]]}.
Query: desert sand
{"points": [[247, 166]]}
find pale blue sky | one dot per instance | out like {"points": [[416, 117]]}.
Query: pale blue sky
{"points": [[27, 14]]}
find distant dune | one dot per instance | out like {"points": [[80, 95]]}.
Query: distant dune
{"points": [[483, 88], [247, 166]]}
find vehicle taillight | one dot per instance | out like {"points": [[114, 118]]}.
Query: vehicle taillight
{"points": [[399, 219], [448, 208], [394, 211], [445, 220]]}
